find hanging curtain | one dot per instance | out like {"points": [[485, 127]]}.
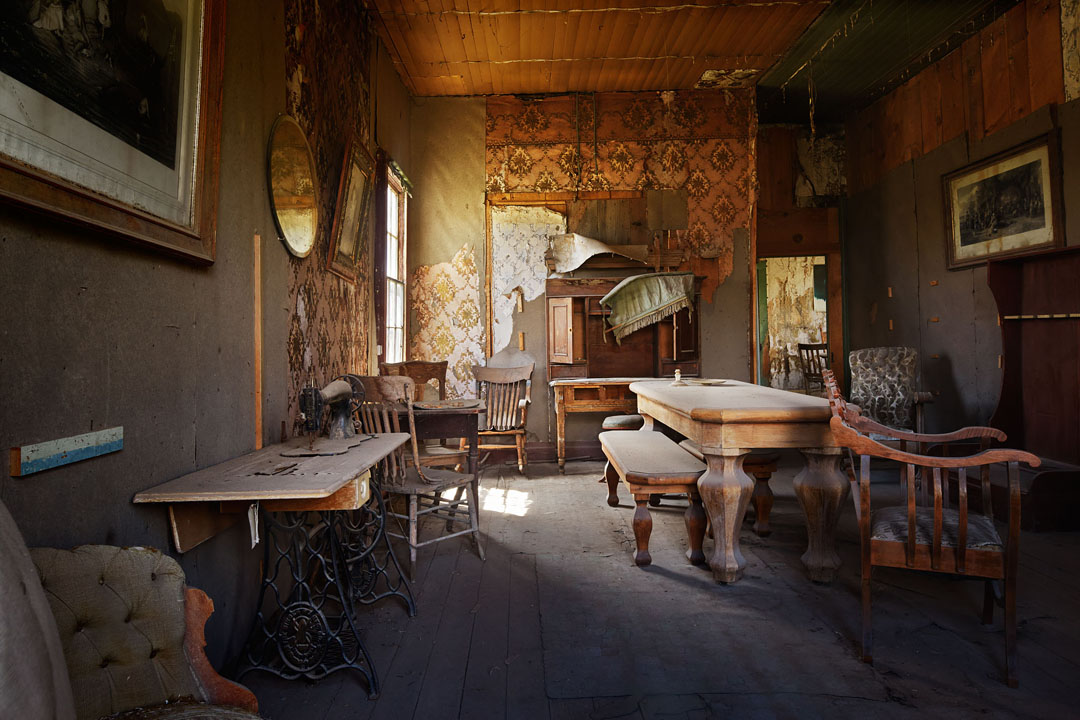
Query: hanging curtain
{"points": [[642, 300]]}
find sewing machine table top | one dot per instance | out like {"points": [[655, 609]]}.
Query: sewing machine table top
{"points": [[267, 474]]}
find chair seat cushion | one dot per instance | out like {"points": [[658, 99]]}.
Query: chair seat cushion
{"points": [[184, 710], [623, 422], [890, 524]]}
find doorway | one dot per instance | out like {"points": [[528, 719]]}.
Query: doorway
{"points": [[792, 308]]}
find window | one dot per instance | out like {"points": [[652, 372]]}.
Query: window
{"points": [[394, 340]]}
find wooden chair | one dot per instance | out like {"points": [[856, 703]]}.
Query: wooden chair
{"points": [[407, 475], [813, 360], [507, 393], [930, 535], [421, 371]]}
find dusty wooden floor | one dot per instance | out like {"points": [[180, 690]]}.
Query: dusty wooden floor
{"points": [[559, 624]]}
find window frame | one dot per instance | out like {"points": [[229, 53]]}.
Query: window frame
{"points": [[387, 180]]}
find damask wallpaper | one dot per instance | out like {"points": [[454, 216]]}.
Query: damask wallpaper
{"points": [[329, 95], [446, 300], [699, 140]]}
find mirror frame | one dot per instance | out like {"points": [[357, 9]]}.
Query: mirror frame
{"points": [[290, 244]]}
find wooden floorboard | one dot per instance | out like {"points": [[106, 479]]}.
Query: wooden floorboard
{"points": [[558, 624]]}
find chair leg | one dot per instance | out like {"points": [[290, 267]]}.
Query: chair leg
{"points": [[642, 530], [695, 530], [474, 515], [453, 506], [988, 603], [519, 440], [1010, 631], [412, 537], [612, 478], [867, 629]]}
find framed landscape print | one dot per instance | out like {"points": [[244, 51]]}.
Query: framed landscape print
{"points": [[353, 212], [110, 115], [1004, 206]]}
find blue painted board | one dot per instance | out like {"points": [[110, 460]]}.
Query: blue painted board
{"points": [[29, 459]]}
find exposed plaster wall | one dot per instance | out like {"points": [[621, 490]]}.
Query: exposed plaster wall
{"points": [[519, 238], [821, 179]]}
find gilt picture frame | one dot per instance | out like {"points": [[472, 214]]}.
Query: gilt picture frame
{"points": [[1004, 206], [110, 117], [352, 214]]}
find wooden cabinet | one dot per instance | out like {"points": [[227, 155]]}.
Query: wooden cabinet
{"points": [[580, 346]]}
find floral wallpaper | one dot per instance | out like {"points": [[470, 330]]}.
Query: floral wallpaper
{"points": [[519, 239], [702, 141], [446, 300], [329, 95]]}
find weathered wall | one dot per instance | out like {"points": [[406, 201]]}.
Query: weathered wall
{"points": [[329, 93], [792, 317], [446, 228], [895, 238], [97, 333]]}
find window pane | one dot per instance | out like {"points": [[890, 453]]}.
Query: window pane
{"points": [[391, 212], [392, 255]]}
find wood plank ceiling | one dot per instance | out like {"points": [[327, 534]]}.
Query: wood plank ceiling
{"points": [[489, 47]]}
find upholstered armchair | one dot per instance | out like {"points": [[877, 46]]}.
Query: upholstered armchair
{"points": [[884, 384], [105, 632]]}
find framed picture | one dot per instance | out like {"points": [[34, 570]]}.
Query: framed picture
{"points": [[1007, 205], [110, 116], [351, 217]]}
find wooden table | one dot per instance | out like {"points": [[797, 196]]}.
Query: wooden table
{"points": [[728, 420], [323, 520], [589, 395]]}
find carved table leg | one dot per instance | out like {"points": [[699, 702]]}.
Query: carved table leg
{"points": [[642, 530], [821, 489], [695, 529], [612, 478], [725, 489], [560, 427]]}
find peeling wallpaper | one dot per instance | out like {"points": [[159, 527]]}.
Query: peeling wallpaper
{"points": [[519, 238], [701, 140], [792, 317], [446, 300], [329, 95], [1070, 47]]}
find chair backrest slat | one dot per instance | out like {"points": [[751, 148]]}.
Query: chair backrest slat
{"points": [[984, 476], [935, 548], [503, 391], [961, 531], [911, 510]]}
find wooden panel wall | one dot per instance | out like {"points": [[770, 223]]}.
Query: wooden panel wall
{"points": [[1001, 74]]}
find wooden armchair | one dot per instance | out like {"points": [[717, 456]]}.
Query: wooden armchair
{"points": [[813, 360], [507, 393], [929, 535]]}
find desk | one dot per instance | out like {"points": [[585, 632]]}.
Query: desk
{"points": [[589, 395], [323, 520], [729, 420]]}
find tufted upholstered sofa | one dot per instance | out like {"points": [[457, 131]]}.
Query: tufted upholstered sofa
{"points": [[105, 632]]}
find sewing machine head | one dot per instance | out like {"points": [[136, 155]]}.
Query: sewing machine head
{"points": [[343, 396]]}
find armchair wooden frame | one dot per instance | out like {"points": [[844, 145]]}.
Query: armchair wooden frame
{"points": [[931, 536]]}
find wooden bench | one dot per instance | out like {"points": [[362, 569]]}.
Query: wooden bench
{"points": [[650, 463]]}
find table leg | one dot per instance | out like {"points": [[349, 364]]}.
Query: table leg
{"points": [[821, 489], [560, 427], [725, 489]]}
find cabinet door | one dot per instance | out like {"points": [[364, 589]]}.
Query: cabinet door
{"points": [[560, 330], [686, 336]]}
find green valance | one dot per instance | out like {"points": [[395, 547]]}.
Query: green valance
{"points": [[641, 300]]}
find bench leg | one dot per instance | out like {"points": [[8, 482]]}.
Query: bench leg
{"points": [[695, 529], [612, 478], [642, 530]]}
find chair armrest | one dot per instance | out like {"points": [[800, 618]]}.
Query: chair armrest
{"points": [[865, 425], [923, 398], [198, 607]]}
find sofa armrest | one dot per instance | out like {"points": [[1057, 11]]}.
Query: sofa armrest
{"points": [[198, 607]]}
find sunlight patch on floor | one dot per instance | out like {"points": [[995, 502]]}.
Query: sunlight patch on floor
{"points": [[507, 502]]}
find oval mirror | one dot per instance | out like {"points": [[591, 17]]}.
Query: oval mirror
{"points": [[293, 193]]}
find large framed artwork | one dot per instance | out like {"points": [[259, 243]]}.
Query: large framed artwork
{"points": [[110, 115], [1005, 206], [353, 211]]}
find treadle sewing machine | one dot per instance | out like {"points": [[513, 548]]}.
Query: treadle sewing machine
{"points": [[325, 547]]}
